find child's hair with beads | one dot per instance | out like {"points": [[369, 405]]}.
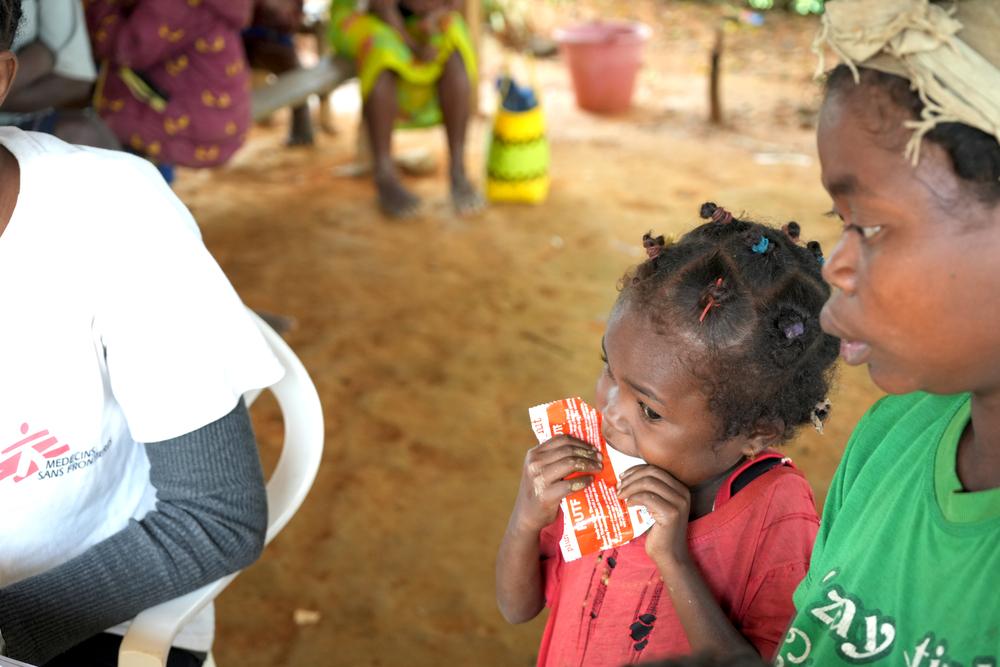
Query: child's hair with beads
{"points": [[750, 296]]}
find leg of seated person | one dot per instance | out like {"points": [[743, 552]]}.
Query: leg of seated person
{"points": [[454, 93], [380, 109], [278, 58]]}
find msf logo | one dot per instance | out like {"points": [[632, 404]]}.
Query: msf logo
{"points": [[27, 456]]}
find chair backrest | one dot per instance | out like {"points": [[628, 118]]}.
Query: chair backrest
{"points": [[151, 633]]}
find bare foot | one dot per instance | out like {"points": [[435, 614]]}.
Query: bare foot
{"points": [[465, 197], [395, 200]]}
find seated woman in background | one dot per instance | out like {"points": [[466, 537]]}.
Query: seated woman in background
{"points": [[416, 64], [55, 75], [174, 85]]}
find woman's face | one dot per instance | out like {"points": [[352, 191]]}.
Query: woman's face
{"points": [[916, 272]]}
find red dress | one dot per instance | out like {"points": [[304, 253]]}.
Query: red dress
{"points": [[753, 550], [174, 83]]}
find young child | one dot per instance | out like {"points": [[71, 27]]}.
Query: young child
{"points": [[713, 353], [906, 568]]}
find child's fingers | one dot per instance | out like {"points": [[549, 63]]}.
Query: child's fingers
{"points": [[560, 447], [654, 484], [561, 489], [557, 470], [548, 464], [664, 510], [559, 440], [644, 471]]}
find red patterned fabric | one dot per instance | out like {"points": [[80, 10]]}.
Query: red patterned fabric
{"points": [[191, 54]]}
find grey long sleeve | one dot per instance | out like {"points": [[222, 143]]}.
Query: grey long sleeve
{"points": [[210, 520]]}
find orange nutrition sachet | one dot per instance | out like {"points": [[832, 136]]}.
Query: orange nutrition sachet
{"points": [[595, 518]]}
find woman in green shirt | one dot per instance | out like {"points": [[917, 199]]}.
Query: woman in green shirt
{"points": [[906, 568]]}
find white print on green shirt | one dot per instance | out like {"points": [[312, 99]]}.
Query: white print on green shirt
{"points": [[936, 652], [864, 635]]}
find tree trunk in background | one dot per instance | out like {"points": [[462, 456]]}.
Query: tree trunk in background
{"points": [[715, 60]]}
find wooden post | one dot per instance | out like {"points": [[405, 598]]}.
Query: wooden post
{"points": [[715, 62]]}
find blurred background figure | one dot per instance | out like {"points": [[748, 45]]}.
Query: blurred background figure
{"points": [[270, 46], [174, 85], [55, 75], [415, 61]]}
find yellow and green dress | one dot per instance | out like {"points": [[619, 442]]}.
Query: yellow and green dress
{"points": [[375, 46]]}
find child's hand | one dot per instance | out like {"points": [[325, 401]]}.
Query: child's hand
{"points": [[542, 482], [669, 502]]}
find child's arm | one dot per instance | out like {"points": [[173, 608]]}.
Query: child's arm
{"points": [[669, 502], [519, 574], [520, 590]]}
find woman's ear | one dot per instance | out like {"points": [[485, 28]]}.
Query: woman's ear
{"points": [[764, 434], [8, 70]]}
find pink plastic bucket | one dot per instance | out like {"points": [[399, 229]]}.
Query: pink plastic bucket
{"points": [[604, 58]]}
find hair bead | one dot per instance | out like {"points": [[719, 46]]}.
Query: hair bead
{"points": [[794, 330], [709, 210], [653, 245], [820, 413], [761, 246]]}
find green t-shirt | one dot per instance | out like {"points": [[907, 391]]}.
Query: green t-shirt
{"points": [[906, 567]]}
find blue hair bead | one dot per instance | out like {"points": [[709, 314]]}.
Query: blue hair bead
{"points": [[794, 330], [761, 246]]}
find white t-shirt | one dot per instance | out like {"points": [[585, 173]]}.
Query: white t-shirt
{"points": [[62, 27], [118, 328]]}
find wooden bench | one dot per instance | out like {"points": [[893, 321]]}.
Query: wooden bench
{"points": [[296, 87]]}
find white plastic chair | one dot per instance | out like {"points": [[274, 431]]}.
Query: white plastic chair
{"points": [[151, 633]]}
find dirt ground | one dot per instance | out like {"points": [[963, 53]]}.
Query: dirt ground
{"points": [[429, 339]]}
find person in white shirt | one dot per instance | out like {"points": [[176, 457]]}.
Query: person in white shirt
{"points": [[128, 467]]}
